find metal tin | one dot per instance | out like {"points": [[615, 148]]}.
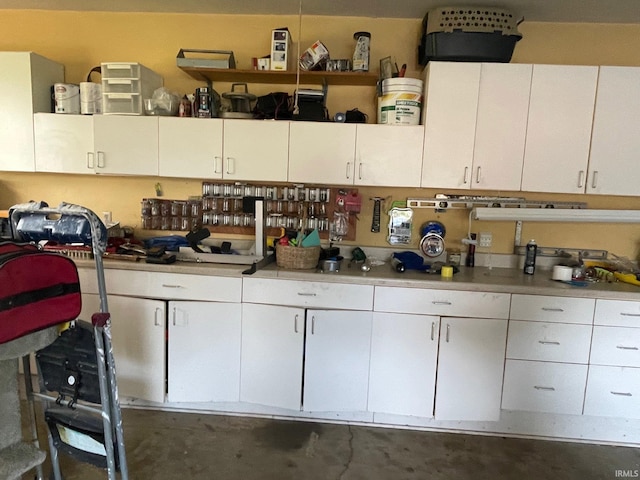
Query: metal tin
{"points": [[203, 102]]}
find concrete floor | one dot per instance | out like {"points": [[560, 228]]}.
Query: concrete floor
{"points": [[181, 446]]}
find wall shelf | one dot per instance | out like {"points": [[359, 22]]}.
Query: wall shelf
{"points": [[211, 75]]}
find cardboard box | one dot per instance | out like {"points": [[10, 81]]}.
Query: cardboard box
{"points": [[281, 49]]}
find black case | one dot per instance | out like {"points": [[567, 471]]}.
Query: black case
{"points": [[69, 365]]}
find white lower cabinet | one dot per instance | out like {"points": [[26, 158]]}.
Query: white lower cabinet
{"points": [[613, 392], [404, 356], [138, 337], [336, 369], [544, 387], [470, 368], [203, 352], [272, 354]]}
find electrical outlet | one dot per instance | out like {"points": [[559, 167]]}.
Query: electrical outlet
{"points": [[485, 240]]}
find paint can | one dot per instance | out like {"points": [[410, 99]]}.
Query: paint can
{"points": [[90, 98], [401, 101], [67, 98]]}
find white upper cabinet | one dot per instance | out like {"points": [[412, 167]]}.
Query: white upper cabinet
{"points": [[615, 142], [256, 150], [388, 155], [190, 147], [126, 145], [501, 126], [322, 152], [449, 118], [64, 143], [26, 80], [559, 128]]}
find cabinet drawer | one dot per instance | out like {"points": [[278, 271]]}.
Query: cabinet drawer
{"points": [[617, 313], [540, 308], [544, 387], [551, 342], [450, 303], [308, 294], [173, 286], [613, 392], [616, 346]]}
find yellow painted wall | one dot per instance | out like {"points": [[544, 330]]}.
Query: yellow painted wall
{"points": [[83, 40]]}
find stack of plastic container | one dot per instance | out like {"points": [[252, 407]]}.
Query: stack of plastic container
{"points": [[125, 86]]}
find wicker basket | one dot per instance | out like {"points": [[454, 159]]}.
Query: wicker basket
{"points": [[297, 257]]}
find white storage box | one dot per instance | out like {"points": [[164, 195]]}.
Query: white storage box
{"points": [[125, 85]]}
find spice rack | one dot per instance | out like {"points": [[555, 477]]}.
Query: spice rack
{"points": [[295, 207]]}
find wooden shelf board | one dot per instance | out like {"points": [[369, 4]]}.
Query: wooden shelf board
{"points": [[275, 77]]}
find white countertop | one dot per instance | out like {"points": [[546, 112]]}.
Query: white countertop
{"points": [[499, 280]]}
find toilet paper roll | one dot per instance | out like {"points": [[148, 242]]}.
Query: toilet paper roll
{"points": [[90, 98], [562, 273]]}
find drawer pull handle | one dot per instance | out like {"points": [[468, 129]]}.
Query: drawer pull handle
{"points": [[547, 389], [545, 342], [622, 394], [622, 347], [435, 302], [549, 309], [156, 321], [302, 294], [630, 314], [166, 285]]}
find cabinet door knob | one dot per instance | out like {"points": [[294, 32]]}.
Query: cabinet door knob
{"points": [[466, 173], [478, 170], [348, 170], [295, 323], [100, 159], [581, 179], [448, 330], [90, 160], [594, 179]]}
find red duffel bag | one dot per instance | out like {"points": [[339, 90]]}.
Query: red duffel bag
{"points": [[38, 289]]}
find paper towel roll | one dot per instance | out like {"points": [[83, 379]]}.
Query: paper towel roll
{"points": [[90, 98], [562, 273]]}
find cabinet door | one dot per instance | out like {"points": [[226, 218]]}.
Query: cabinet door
{"points": [[190, 147], [64, 143], [126, 145], [503, 106], [138, 337], [271, 360], [25, 79], [449, 119], [470, 368], [559, 128], [204, 352], [389, 155], [404, 355], [615, 143], [256, 150], [336, 370], [322, 152]]}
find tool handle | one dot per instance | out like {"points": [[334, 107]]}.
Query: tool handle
{"points": [[375, 222]]}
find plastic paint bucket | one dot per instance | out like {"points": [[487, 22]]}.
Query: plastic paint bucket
{"points": [[90, 98], [401, 101]]}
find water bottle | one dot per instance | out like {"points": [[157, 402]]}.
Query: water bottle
{"points": [[530, 257]]}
